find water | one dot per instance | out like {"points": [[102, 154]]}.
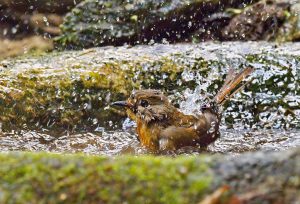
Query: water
{"points": [[74, 89], [119, 142], [264, 116]]}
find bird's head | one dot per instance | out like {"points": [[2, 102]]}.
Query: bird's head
{"points": [[148, 105]]}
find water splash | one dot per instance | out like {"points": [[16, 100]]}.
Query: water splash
{"points": [[265, 115], [121, 142]]}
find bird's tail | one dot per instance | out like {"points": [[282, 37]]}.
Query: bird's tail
{"points": [[232, 84]]}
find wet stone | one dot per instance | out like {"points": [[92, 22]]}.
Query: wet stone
{"points": [[97, 23], [70, 93], [260, 21]]}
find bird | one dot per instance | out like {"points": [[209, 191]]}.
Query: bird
{"points": [[160, 126]]}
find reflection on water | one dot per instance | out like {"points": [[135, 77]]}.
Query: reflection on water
{"points": [[124, 142]]}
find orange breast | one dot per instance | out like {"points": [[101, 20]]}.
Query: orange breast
{"points": [[148, 135]]}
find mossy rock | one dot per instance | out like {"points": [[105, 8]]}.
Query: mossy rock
{"points": [[74, 89], [261, 177], [49, 178], [290, 31], [114, 22], [42, 6], [260, 21]]}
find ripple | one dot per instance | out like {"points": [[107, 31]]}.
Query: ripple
{"points": [[124, 142]]}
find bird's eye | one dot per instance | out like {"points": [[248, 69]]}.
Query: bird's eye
{"points": [[144, 103]]}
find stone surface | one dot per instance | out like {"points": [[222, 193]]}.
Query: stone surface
{"points": [[44, 6], [12, 48], [74, 89], [93, 23], [290, 31], [260, 21], [261, 177]]}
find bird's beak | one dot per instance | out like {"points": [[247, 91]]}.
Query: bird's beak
{"points": [[122, 103]]}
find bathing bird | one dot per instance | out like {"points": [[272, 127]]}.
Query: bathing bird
{"points": [[161, 126]]}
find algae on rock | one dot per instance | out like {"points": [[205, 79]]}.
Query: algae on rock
{"points": [[259, 177], [67, 95], [49, 178], [74, 89]]}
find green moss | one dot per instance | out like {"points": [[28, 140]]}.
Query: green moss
{"points": [[50, 178], [74, 89], [62, 97]]}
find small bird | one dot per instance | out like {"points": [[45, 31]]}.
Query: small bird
{"points": [[163, 127]]}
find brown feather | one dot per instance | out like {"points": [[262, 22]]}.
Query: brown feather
{"points": [[231, 82], [161, 126]]}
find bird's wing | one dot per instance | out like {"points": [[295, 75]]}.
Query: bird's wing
{"points": [[173, 137]]}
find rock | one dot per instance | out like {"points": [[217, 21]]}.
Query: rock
{"points": [[290, 31], [260, 21], [21, 26], [12, 48], [12, 25], [74, 89], [211, 27], [17, 25], [20, 19], [44, 23], [43, 6], [96, 23], [261, 177]]}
